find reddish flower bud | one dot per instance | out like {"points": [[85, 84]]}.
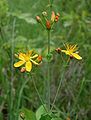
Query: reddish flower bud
{"points": [[58, 50], [39, 58], [38, 19], [56, 18], [71, 57], [48, 25], [23, 69]]}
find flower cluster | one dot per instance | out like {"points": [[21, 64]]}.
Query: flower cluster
{"points": [[48, 24], [28, 59]]}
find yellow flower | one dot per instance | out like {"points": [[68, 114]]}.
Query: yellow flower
{"points": [[28, 59], [71, 51]]}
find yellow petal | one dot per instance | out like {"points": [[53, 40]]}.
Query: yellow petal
{"points": [[34, 62], [35, 56], [28, 66], [22, 56], [66, 52], [29, 53], [76, 56], [18, 64]]}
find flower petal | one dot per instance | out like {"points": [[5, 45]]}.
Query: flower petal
{"points": [[76, 56], [66, 52], [18, 64], [22, 56], [29, 53], [28, 66], [35, 56], [34, 62]]}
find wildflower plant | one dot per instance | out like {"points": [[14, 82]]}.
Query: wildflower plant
{"points": [[30, 58]]}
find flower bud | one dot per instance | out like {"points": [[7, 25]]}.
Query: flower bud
{"points": [[38, 19], [48, 25], [58, 14], [23, 69], [71, 56], [58, 50], [39, 58], [44, 13], [56, 18], [53, 16]]}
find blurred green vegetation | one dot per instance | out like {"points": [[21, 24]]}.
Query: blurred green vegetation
{"points": [[19, 31]]}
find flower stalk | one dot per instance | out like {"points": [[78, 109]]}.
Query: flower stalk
{"points": [[48, 73]]}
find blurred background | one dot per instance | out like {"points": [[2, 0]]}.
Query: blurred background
{"points": [[19, 31]]}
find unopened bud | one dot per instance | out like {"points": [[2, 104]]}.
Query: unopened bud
{"points": [[58, 50], [71, 57], [53, 16], [44, 13], [56, 18], [23, 69], [38, 19], [58, 14], [39, 58], [48, 25], [16, 55]]}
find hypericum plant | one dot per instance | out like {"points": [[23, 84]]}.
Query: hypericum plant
{"points": [[45, 112]]}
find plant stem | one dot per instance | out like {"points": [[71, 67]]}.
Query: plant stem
{"points": [[48, 73], [39, 95], [62, 76], [49, 41]]}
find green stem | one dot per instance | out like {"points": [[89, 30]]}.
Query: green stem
{"points": [[49, 41], [62, 76], [39, 95], [48, 70]]}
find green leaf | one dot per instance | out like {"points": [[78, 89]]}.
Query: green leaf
{"points": [[26, 114], [46, 117], [56, 118], [41, 111]]}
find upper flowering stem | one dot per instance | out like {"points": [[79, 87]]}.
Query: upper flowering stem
{"points": [[27, 59], [48, 24]]}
